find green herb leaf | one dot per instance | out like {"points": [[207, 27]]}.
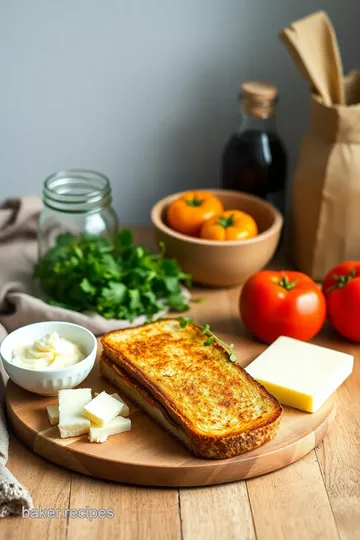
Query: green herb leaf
{"points": [[86, 287], [125, 237], [171, 283], [205, 329], [184, 321], [135, 302], [114, 293], [116, 279], [65, 239]]}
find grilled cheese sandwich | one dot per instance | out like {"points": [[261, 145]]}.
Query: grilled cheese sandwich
{"points": [[211, 405]]}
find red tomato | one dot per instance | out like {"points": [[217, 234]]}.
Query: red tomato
{"points": [[342, 291], [285, 303]]}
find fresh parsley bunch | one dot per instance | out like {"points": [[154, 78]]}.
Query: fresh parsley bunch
{"points": [[116, 279]]}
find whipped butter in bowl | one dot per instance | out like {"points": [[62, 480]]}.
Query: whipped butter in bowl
{"points": [[47, 352], [49, 356]]}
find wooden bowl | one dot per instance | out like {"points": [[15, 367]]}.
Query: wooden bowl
{"points": [[222, 264]]}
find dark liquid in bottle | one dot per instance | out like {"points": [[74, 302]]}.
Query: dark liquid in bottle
{"points": [[255, 162]]}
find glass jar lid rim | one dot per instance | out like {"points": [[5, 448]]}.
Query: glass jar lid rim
{"points": [[72, 174], [72, 187]]}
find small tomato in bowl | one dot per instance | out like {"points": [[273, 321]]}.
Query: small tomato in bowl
{"points": [[341, 287], [284, 303], [189, 212], [230, 225]]}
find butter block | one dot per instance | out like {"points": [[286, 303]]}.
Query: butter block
{"points": [[53, 414], [299, 374], [102, 409], [125, 411], [117, 425], [71, 404]]}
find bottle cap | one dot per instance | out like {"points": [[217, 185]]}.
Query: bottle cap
{"points": [[258, 98], [261, 91]]}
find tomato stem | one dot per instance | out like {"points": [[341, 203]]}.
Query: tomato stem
{"points": [[194, 201], [341, 281], [285, 283], [226, 222]]}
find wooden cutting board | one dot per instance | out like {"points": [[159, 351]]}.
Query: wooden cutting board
{"points": [[147, 455]]}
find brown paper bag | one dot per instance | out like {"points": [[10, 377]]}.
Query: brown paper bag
{"points": [[326, 187], [325, 207], [313, 46]]}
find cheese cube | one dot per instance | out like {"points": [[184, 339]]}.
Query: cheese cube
{"points": [[125, 411], [102, 409], [300, 374], [53, 414], [71, 404], [117, 425]]}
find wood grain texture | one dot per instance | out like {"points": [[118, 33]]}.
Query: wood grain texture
{"points": [[139, 513], [149, 456], [339, 454], [49, 487], [216, 512], [292, 504]]}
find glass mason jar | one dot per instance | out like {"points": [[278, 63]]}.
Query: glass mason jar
{"points": [[75, 201]]}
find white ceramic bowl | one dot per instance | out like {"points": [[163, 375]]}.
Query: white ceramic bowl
{"points": [[48, 382]]}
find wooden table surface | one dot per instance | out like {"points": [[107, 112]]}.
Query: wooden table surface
{"points": [[316, 498]]}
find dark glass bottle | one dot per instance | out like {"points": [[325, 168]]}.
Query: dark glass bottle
{"points": [[254, 158]]}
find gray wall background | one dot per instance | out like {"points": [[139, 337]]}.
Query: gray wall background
{"points": [[144, 90]]}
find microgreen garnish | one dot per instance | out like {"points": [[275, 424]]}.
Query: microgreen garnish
{"points": [[206, 331]]}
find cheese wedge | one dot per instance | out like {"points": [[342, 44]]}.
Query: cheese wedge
{"points": [[102, 409], [53, 414], [300, 374], [117, 425], [71, 404]]}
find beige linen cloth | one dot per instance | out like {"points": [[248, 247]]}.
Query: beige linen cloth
{"points": [[19, 306], [17, 236]]}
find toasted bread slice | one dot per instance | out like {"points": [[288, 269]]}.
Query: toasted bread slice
{"points": [[220, 410], [129, 387]]}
